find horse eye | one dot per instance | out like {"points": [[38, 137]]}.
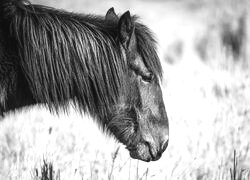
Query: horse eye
{"points": [[147, 77]]}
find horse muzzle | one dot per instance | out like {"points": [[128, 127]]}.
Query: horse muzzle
{"points": [[149, 151]]}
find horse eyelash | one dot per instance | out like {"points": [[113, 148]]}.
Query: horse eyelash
{"points": [[147, 78]]}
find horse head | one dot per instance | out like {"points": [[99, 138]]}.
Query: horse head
{"points": [[139, 118]]}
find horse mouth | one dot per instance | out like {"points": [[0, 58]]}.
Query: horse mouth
{"points": [[144, 152]]}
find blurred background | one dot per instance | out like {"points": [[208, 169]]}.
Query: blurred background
{"points": [[204, 46]]}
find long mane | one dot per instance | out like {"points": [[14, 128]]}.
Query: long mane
{"points": [[73, 56]]}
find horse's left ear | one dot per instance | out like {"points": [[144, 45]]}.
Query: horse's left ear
{"points": [[126, 31], [111, 15]]}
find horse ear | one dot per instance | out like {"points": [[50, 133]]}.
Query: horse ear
{"points": [[126, 31], [111, 15]]}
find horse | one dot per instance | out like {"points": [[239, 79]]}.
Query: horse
{"points": [[105, 66]]}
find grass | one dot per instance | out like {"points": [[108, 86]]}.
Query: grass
{"points": [[237, 173], [47, 171], [206, 92], [113, 162]]}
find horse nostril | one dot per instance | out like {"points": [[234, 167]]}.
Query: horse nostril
{"points": [[151, 149], [156, 149], [164, 145]]}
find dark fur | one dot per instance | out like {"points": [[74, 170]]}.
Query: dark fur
{"points": [[71, 56], [108, 67]]}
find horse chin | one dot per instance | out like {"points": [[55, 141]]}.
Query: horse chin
{"points": [[141, 152]]}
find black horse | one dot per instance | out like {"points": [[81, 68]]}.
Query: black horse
{"points": [[107, 66]]}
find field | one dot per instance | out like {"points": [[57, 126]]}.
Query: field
{"points": [[204, 47]]}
